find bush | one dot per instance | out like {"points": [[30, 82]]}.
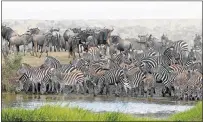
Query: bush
{"points": [[9, 68]]}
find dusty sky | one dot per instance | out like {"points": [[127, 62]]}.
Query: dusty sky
{"points": [[101, 10]]}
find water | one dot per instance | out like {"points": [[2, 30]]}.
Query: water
{"points": [[155, 107]]}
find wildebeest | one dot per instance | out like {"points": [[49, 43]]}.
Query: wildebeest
{"points": [[120, 44], [101, 37], [41, 39], [55, 41], [7, 33], [23, 39]]}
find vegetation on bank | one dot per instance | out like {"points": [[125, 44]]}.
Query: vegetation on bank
{"points": [[57, 113], [12, 62], [10, 65]]}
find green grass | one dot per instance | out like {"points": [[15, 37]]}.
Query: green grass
{"points": [[57, 113], [194, 114]]}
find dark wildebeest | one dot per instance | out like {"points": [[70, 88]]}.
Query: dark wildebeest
{"points": [[7, 33], [41, 39], [101, 37], [55, 39], [62, 43], [73, 46], [19, 40], [120, 44], [77, 35]]}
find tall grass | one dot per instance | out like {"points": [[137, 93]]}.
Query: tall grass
{"points": [[57, 113], [9, 68]]}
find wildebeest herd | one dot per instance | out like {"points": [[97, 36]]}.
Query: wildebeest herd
{"points": [[133, 66]]}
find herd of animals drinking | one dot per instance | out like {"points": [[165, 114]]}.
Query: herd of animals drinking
{"points": [[133, 67]]}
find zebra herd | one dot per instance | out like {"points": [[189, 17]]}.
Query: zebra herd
{"points": [[108, 60], [132, 73]]}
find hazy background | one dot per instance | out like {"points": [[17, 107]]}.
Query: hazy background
{"points": [[179, 20]]}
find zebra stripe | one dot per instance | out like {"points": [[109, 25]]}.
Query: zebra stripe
{"points": [[136, 78], [35, 75], [74, 79], [52, 62], [94, 52], [180, 46], [113, 77]]}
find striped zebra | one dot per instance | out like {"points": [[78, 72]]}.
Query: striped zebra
{"points": [[180, 46], [170, 54], [135, 80], [94, 72], [81, 64], [149, 84], [52, 62], [123, 57], [179, 81], [177, 68], [36, 76], [73, 79], [162, 74], [194, 85], [113, 77], [196, 66], [148, 63], [24, 81], [137, 57], [95, 52]]}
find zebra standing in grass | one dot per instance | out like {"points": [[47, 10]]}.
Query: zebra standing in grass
{"points": [[113, 77]]}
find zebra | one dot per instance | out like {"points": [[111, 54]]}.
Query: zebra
{"points": [[94, 72], [81, 64], [52, 62], [180, 46], [162, 74], [149, 84], [122, 57], [73, 79], [179, 80], [194, 85], [147, 63], [177, 68], [24, 83], [170, 54], [95, 52], [36, 76], [196, 66], [135, 80], [24, 79], [113, 77]]}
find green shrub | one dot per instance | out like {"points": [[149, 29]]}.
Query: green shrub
{"points": [[9, 68]]}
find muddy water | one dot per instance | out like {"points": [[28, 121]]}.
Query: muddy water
{"points": [[154, 107]]}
